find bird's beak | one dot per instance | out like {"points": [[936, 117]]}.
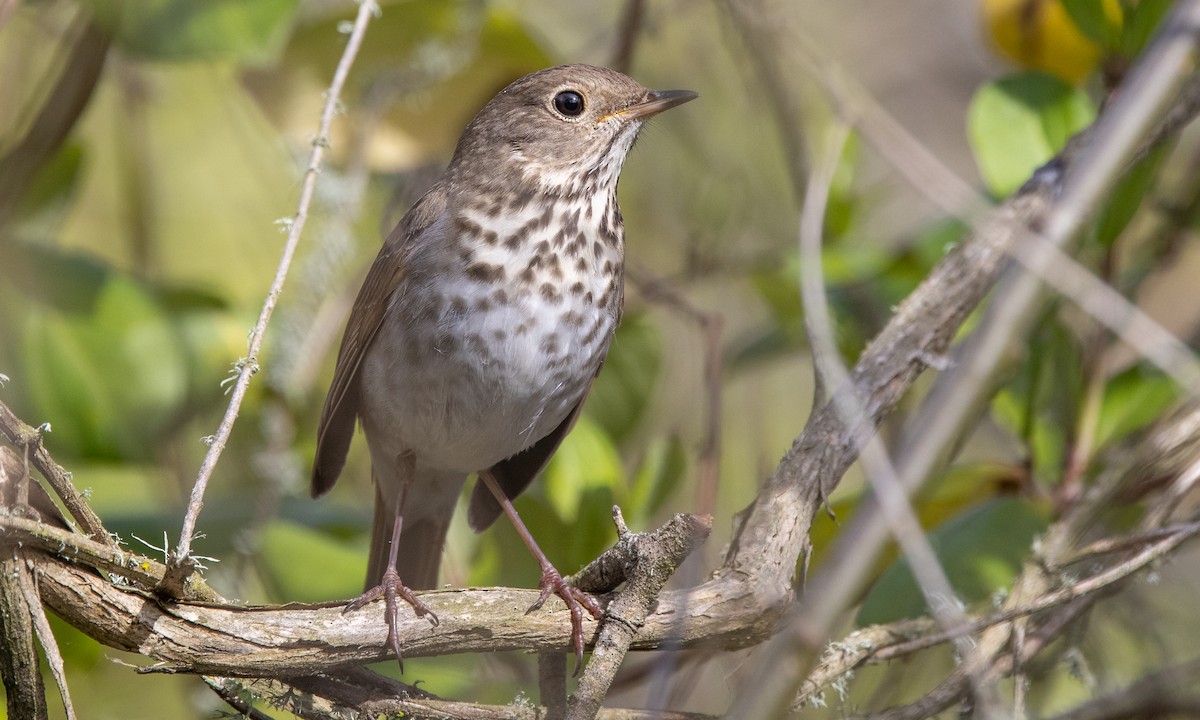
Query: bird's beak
{"points": [[656, 101]]}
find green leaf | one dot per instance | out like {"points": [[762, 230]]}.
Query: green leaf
{"points": [[1092, 20], [289, 554], [659, 475], [109, 378], [1132, 399], [623, 390], [196, 29], [68, 281], [980, 550], [54, 184], [1132, 189], [1142, 20], [1041, 404], [586, 460], [1017, 123]]}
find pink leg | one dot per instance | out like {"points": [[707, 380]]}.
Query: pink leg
{"points": [[391, 588], [552, 581]]}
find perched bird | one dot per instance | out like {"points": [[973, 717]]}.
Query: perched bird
{"points": [[483, 322]]}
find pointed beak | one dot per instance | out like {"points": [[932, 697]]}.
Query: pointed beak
{"points": [[656, 101]]}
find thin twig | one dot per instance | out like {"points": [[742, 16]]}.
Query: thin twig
{"points": [[45, 636], [181, 566], [24, 436]]}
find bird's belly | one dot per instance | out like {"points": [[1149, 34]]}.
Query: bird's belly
{"points": [[473, 376]]}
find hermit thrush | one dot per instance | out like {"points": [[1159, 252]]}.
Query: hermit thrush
{"points": [[483, 321]]}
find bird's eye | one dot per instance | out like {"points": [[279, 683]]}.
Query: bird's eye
{"points": [[569, 103]]}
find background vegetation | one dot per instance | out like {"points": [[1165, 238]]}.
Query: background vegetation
{"points": [[148, 151]]}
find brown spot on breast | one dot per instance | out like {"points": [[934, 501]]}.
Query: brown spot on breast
{"points": [[570, 222], [576, 288], [466, 227], [550, 293], [572, 318], [550, 345], [458, 306], [485, 272], [500, 296], [592, 332]]}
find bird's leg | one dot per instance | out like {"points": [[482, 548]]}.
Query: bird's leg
{"points": [[552, 581], [391, 588]]}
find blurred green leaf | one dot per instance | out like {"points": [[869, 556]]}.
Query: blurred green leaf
{"points": [[1131, 400], [587, 459], [109, 378], [959, 488], [198, 29], [1142, 18], [1128, 195], [623, 390], [842, 207], [54, 184], [660, 473], [65, 280], [1040, 405], [1017, 123], [1092, 20], [290, 552], [980, 550]]}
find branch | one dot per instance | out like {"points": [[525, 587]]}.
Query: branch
{"points": [[645, 561], [1167, 692], [376, 696], [1169, 448], [24, 436]]}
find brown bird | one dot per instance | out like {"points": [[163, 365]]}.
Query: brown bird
{"points": [[483, 321]]}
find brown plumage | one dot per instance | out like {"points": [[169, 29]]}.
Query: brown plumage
{"points": [[485, 318]]}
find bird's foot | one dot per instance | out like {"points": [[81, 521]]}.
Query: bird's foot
{"points": [[392, 589], [577, 601]]}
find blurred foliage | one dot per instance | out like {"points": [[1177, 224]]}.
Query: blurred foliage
{"points": [[137, 243]]}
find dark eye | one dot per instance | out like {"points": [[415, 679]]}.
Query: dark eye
{"points": [[569, 103]]}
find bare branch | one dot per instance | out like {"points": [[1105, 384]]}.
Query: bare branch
{"points": [[24, 436], [652, 559]]}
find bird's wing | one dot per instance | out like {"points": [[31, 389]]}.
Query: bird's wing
{"points": [[370, 307]]}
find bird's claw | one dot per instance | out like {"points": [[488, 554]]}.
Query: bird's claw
{"points": [[393, 590], [576, 600]]}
